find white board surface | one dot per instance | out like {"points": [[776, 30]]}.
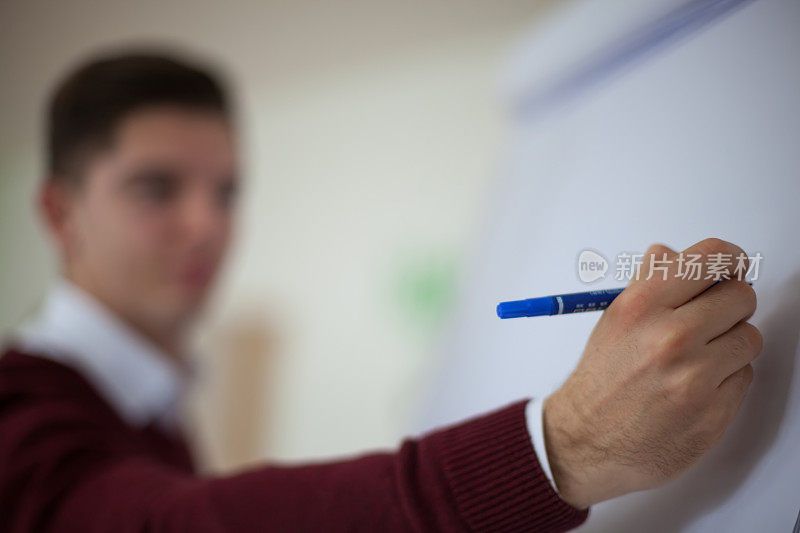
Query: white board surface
{"points": [[698, 137]]}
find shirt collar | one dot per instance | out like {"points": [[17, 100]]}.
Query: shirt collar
{"points": [[141, 382]]}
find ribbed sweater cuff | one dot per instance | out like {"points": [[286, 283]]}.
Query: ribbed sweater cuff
{"points": [[496, 479]]}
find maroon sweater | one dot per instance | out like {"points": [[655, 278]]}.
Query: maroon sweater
{"points": [[69, 463]]}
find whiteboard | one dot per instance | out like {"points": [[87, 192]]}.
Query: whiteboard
{"points": [[697, 136]]}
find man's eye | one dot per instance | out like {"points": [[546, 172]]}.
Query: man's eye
{"points": [[156, 188]]}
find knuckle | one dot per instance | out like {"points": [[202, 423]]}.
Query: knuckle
{"points": [[684, 388], [671, 341], [715, 245], [633, 304], [658, 249], [689, 327], [712, 245], [739, 344], [747, 341], [655, 252], [736, 252]]}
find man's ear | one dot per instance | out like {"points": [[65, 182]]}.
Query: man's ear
{"points": [[55, 205]]}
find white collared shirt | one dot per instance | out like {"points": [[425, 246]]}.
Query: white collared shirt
{"points": [[142, 383], [136, 378]]}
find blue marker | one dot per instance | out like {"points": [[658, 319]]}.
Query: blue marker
{"points": [[561, 304], [576, 302]]}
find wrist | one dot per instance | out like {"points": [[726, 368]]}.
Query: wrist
{"points": [[576, 462]]}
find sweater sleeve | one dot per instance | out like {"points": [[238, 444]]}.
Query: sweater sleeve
{"points": [[58, 472]]}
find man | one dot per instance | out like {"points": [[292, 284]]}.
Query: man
{"points": [[139, 198]]}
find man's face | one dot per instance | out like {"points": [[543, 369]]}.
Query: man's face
{"points": [[149, 225]]}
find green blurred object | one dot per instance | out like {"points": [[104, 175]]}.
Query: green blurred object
{"points": [[425, 288]]}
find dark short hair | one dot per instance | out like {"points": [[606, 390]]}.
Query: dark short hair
{"points": [[89, 103]]}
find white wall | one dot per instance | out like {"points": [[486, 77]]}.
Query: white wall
{"points": [[370, 136]]}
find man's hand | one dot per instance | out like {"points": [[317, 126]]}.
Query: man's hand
{"points": [[662, 376]]}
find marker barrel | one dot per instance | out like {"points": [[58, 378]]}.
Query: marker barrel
{"points": [[576, 302]]}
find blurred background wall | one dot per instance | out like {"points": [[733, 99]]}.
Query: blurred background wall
{"points": [[370, 132]]}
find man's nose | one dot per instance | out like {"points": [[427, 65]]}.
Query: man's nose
{"points": [[202, 218]]}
